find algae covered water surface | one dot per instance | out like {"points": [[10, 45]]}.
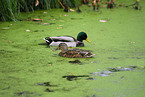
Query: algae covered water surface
{"points": [[29, 68]]}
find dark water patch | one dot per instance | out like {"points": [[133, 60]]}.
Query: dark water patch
{"points": [[46, 84], [38, 31], [17, 46], [73, 77], [113, 58], [63, 60], [48, 90], [27, 94], [65, 89], [110, 70], [90, 78], [130, 68], [76, 62], [35, 30], [92, 96], [6, 88], [47, 23], [76, 18], [135, 57], [5, 51], [54, 55], [10, 70], [121, 77], [43, 44], [102, 73]]}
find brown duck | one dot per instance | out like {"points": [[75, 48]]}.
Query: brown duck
{"points": [[73, 53]]}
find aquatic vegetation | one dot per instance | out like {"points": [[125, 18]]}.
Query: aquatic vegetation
{"points": [[10, 9]]}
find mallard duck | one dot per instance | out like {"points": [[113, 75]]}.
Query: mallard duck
{"points": [[73, 53], [69, 40]]}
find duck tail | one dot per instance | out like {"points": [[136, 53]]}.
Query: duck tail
{"points": [[48, 40]]}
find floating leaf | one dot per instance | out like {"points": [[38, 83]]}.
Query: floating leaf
{"points": [[35, 20], [10, 41], [52, 19], [46, 23], [102, 21], [5, 28], [61, 20], [66, 15], [27, 30], [132, 42], [58, 27]]}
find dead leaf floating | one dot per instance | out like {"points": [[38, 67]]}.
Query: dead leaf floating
{"points": [[52, 19], [5, 28], [38, 20], [132, 42], [58, 27], [66, 15], [102, 21], [10, 41], [47, 23], [35, 20], [27, 30]]}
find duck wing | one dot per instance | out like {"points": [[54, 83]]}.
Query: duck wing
{"points": [[76, 53], [63, 39], [83, 53]]}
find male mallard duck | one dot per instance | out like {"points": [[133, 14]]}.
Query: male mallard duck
{"points": [[73, 53], [69, 40]]}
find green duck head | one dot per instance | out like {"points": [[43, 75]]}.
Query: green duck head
{"points": [[63, 47], [82, 36]]}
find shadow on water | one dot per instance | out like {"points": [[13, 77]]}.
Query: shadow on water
{"points": [[74, 77], [47, 84], [5, 51], [43, 44], [76, 62], [27, 94]]}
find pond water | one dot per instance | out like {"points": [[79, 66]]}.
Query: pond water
{"points": [[29, 68]]}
